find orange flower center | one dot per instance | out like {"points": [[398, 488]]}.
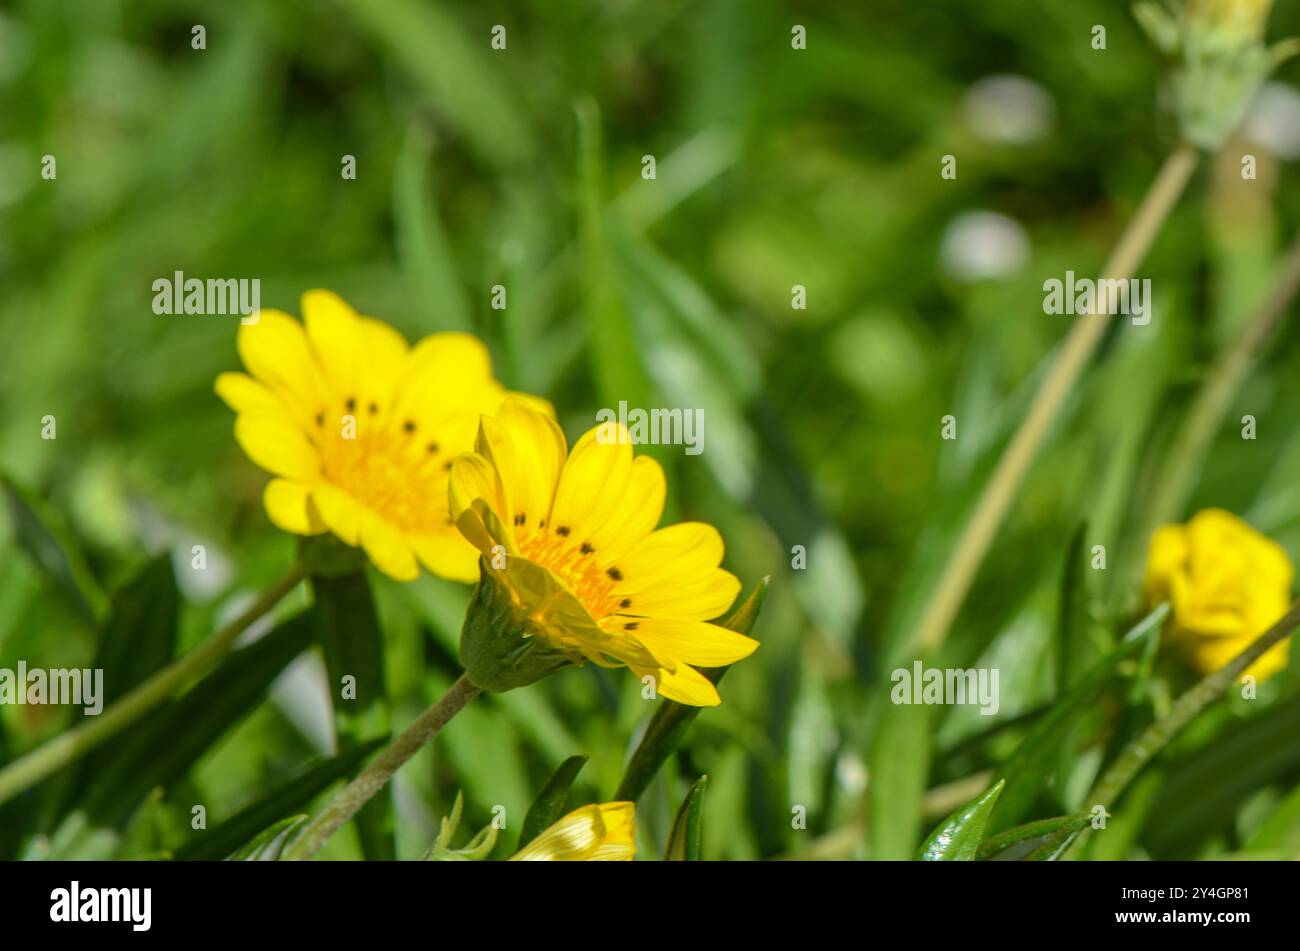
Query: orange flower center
{"points": [[577, 569], [396, 471]]}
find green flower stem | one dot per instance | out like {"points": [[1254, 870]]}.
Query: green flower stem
{"points": [[1154, 738], [1216, 394], [375, 776], [71, 745], [998, 494]]}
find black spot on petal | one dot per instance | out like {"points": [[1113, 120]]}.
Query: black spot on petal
{"points": [[614, 573], [563, 531]]}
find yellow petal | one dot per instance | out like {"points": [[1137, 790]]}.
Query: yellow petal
{"points": [[703, 600], [243, 394], [536, 403], [639, 512], [340, 512], [619, 844], [592, 486], [684, 685], [1166, 557], [334, 330], [363, 359], [386, 351], [277, 446], [446, 374], [276, 352], [592, 833], [288, 506], [527, 450], [386, 547], [1210, 654], [693, 642], [677, 554], [472, 478], [447, 556]]}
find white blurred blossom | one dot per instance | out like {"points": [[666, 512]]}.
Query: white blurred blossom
{"points": [[979, 245], [1008, 110], [1274, 121]]}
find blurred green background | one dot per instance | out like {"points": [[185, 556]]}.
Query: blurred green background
{"points": [[775, 167]]}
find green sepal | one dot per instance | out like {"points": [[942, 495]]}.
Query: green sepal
{"points": [[497, 649]]}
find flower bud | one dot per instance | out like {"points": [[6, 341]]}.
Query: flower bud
{"points": [[1219, 60]]}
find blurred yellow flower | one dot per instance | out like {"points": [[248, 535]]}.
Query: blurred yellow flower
{"points": [[572, 538], [1248, 17], [360, 430], [596, 833], [1226, 584]]}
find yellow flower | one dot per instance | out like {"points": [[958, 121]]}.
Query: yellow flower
{"points": [[360, 430], [596, 833], [1247, 17], [572, 538], [1226, 584]]}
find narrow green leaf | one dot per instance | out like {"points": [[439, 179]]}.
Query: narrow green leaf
{"points": [[1036, 757], [958, 837], [431, 273], [670, 721], [1072, 613], [1075, 655], [1281, 830], [684, 839], [353, 646], [288, 798], [549, 804], [615, 357], [45, 537], [1041, 840], [266, 846], [137, 640], [899, 768], [170, 740], [461, 77], [139, 637], [712, 337], [11, 820]]}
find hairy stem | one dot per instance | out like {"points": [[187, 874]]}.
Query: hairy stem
{"points": [[1154, 738], [375, 776]]}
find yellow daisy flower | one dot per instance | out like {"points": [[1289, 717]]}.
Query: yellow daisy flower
{"points": [[359, 430], [598, 833], [571, 536], [1226, 584]]}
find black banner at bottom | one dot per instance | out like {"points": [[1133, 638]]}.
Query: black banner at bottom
{"points": [[942, 901]]}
